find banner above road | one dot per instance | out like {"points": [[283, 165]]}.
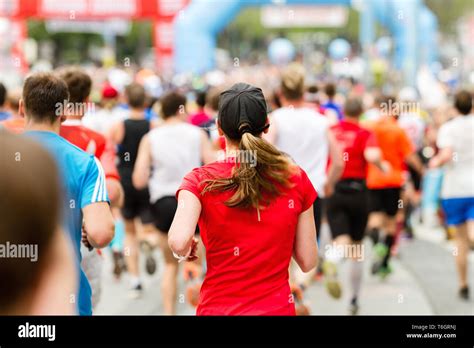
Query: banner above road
{"points": [[304, 16]]}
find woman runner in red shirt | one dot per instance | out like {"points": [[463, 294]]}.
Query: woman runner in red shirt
{"points": [[254, 210]]}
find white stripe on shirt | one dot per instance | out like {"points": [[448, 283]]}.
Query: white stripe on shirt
{"points": [[96, 188], [100, 189]]}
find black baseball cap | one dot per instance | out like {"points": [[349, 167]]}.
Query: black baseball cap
{"points": [[242, 109]]}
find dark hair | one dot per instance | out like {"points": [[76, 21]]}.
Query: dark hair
{"points": [[353, 107], [29, 178], [42, 95], [13, 100], [242, 111], [78, 83], [136, 95], [379, 100], [389, 99], [312, 89], [463, 102], [275, 99], [3, 94], [212, 98], [330, 90], [292, 82], [171, 103], [201, 98]]}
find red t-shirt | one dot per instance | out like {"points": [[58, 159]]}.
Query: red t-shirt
{"points": [[84, 138], [353, 140], [199, 118], [247, 259], [94, 143]]}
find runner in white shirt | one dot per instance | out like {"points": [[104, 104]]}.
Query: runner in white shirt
{"points": [[304, 135], [166, 154], [456, 143]]}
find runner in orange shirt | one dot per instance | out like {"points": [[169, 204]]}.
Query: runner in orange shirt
{"points": [[384, 188]]}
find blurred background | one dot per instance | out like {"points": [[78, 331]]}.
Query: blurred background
{"points": [[382, 43]]}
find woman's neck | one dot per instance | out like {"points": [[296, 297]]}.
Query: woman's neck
{"points": [[230, 146]]}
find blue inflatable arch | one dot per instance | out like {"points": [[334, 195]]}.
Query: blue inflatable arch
{"points": [[410, 22]]}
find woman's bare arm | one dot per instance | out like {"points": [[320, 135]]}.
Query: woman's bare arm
{"points": [[181, 233], [305, 249]]}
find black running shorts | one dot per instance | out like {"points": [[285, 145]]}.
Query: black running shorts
{"points": [[347, 211], [384, 200], [415, 178], [163, 212], [136, 204]]}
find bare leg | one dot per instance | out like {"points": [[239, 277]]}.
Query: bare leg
{"points": [[169, 280], [150, 234], [390, 224], [376, 220], [131, 248], [375, 225], [462, 244], [470, 231]]}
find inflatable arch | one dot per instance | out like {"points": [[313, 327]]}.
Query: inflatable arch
{"points": [[410, 22]]}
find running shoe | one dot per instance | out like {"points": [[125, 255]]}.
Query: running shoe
{"points": [[464, 293], [150, 262], [353, 307], [384, 271], [380, 251], [136, 292], [330, 278]]}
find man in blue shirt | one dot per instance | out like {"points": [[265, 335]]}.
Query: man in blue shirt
{"points": [[86, 205], [330, 91]]}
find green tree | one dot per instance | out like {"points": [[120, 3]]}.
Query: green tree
{"points": [[449, 12]]}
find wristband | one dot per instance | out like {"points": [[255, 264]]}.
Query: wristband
{"points": [[181, 258]]}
